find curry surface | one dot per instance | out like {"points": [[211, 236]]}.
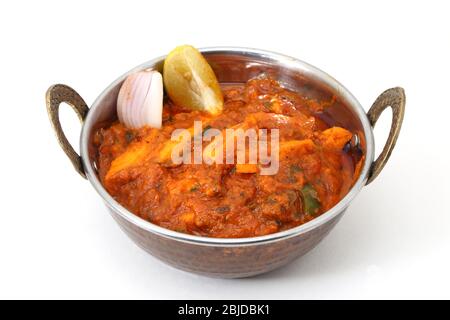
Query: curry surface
{"points": [[223, 200]]}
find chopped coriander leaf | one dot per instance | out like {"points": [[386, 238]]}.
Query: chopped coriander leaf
{"points": [[295, 168], [206, 129], [311, 203], [223, 209], [195, 187], [129, 136], [267, 104]]}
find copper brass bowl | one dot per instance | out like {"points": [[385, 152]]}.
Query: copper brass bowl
{"points": [[243, 257]]}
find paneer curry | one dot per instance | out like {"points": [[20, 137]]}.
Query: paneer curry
{"points": [[316, 168]]}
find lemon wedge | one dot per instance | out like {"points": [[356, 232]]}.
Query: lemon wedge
{"points": [[190, 81]]}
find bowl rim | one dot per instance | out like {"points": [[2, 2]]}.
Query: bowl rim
{"points": [[285, 61]]}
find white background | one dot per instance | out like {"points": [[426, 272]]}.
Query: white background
{"points": [[57, 239]]}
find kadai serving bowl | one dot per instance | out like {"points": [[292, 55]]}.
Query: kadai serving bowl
{"points": [[243, 257]]}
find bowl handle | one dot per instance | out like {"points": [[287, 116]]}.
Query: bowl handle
{"points": [[57, 94], [394, 98]]}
